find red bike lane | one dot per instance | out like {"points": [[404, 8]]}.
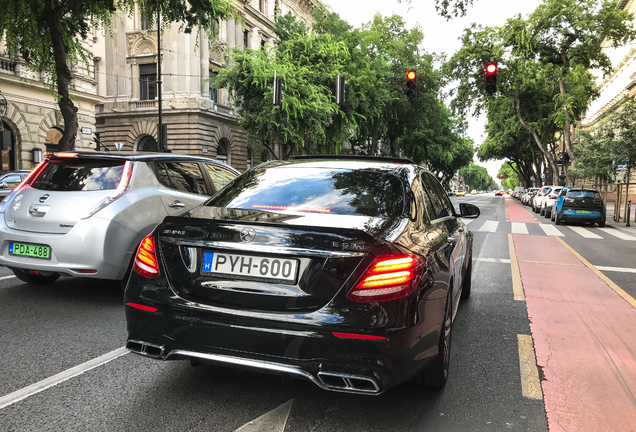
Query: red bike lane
{"points": [[584, 336]]}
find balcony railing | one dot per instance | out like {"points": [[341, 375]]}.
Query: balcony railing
{"points": [[7, 65]]}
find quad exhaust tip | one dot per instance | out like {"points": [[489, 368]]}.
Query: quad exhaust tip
{"points": [[348, 383], [146, 348]]}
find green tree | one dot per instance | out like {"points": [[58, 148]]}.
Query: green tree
{"points": [[476, 177], [510, 175], [48, 34]]}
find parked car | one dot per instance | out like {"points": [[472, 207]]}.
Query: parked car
{"points": [[537, 200], [548, 201], [519, 190], [530, 193], [84, 214], [579, 205], [10, 179], [461, 193], [345, 271]]}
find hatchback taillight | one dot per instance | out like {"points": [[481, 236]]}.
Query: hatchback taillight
{"points": [[24, 183], [598, 201], [388, 278], [146, 263]]}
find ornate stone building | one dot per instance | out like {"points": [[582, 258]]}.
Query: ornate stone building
{"points": [[32, 118], [199, 117]]}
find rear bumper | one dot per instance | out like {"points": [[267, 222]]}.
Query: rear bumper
{"points": [[92, 244], [593, 216], [308, 351]]}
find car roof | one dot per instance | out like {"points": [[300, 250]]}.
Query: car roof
{"points": [[345, 162], [139, 156]]}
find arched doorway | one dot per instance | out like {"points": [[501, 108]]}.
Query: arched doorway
{"points": [[147, 143], [52, 138], [7, 143], [221, 152]]}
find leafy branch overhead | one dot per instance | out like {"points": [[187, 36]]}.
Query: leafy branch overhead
{"points": [[48, 34], [376, 117]]}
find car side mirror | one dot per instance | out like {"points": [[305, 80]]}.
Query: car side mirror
{"points": [[469, 211], [3, 185]]}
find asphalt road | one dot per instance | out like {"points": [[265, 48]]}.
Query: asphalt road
{"points": [[48, 330]]}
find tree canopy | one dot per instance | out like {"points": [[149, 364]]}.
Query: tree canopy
{"points": [[376, 117], [48, 34]]}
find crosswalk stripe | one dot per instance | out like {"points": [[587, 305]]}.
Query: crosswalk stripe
{"points": [[519, 228], [585, 232], [489, 226], [616, 269], [551, 230], [616, 233]]}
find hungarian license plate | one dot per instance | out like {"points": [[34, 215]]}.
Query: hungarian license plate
{"points": [[250, 267], [583, 212], [30, 250]]}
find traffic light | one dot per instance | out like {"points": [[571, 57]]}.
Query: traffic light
{"points": [[278, 91], [501, 176], [411, 85], [491, 78], [340, 90]]}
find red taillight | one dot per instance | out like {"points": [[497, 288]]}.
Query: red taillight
{"points": [[142, 307], [66, 155], [31, 175], [388, 278], [146, 259], [359, 336], [569, 200], [598, 201]]}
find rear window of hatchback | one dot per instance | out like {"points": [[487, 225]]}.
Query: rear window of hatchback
{"points": [[361, 192], [582, 194], [74, 175]]}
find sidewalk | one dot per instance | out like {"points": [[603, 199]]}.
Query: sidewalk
{"points": [[620, 225]]}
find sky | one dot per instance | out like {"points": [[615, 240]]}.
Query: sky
{"points": [[440, 35]]}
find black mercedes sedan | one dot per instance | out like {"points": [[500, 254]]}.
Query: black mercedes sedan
{"points": [[343, 270]]}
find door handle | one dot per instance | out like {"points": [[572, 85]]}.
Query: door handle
{"points": [[176, 205]]}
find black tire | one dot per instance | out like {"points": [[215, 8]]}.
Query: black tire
{"points": [[547, 214], [557, 221], [542, 211], [602, 224], [35, 279], [467, 282], [436, 373]]}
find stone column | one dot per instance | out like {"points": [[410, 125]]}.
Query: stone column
{"points": [[231, 33]]}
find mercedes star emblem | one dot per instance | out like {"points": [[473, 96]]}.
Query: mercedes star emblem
{"points": [[247, 234]]}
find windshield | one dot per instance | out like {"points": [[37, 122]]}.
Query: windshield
{"points": [[366, 192]]}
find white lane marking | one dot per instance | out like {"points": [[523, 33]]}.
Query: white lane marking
{"points": [[616, 269], [616, 233], [519, 228], [489, 226], [7, 277], [495, 260], [273, 421], [46, 383], [584, 232], [551, 230]]}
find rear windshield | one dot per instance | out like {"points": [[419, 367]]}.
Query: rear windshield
{"points": [[372, 193], [582, 194], [79, 175]]}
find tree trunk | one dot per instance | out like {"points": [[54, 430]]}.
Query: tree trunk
{"points": [[63, 73], [567, 128], [535, 135], [629, 174]]}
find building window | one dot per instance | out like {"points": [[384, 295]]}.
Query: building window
{"points": [[262, 6], [143, 20], [263, 44], [221, 152], [214, 92], [148, 144], [147, 81], [246, 34]]}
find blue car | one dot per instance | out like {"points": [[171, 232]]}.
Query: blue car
{"points": [[579, 205]]}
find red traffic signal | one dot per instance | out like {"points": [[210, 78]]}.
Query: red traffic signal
{"points": [[491, 78], [502, 176], [411, 75]]}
